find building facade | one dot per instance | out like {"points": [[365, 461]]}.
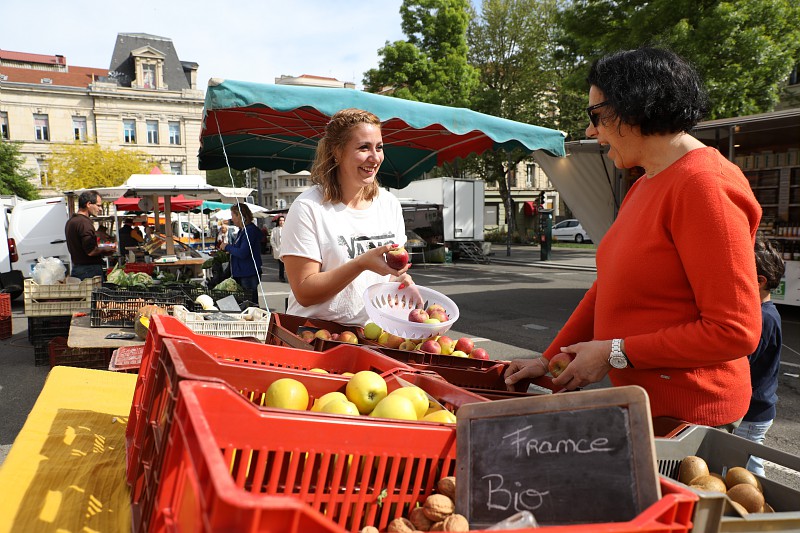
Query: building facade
{"points": [[147, 100]]}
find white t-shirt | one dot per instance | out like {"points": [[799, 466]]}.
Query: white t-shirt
{"points": [[333, 234]]}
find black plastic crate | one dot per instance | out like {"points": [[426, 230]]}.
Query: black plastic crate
{"points": [[61, 354], [245, 298], [118, 307], [43, 329]]}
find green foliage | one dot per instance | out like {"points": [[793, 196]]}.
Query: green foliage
{"points": [[431, 65], [86, 166], [744, 50], [13, 178], [220, 178]]}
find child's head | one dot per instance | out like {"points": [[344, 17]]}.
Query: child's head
{"points": [[769, 264]]}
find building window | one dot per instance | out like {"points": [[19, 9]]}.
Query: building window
{"points": [[149, 76], [4, 125], [129, 131], [79, 128], [152, 132], [42, 125], [174, 133], [176, 168]]}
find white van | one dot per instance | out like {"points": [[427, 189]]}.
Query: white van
{"points": [[35, 228]]}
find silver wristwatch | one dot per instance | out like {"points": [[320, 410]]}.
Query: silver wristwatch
{"points": [[617, 358]]}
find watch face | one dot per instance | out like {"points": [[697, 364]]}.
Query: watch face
{"points": [[617, 361]]}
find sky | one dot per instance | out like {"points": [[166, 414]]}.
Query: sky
{"points": [[248, 40]]}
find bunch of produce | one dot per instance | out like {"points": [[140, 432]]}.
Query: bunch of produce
{"points": [[739, 484], [366, 394], [228, 285], [438, 513], [153, 245], [124, 279], [345, 336], [437, 345]]}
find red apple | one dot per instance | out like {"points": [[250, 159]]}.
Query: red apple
{"points": [[465, 345], [558, 363], [448, 345], [397, 258], [417, 315], [431, 347], [348, 336], [479, 353], [438, 314], [307, 336]]}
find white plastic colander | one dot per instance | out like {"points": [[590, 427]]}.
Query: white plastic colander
{"points": [[388, 306]]}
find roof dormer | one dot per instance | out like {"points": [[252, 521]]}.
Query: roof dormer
{"points": [[149, 68]]}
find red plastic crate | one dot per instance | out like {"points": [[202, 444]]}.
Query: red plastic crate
{"points": [[5, 327], [229, 465], [5, 305], [126, 359]]}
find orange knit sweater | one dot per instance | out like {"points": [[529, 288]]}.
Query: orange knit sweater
{"points": [[676, 279]]}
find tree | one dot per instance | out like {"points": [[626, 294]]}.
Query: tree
{"points": [[220, 178], [14, 179], [86, 166], [511, 45], [431, 65], [744, 50]]}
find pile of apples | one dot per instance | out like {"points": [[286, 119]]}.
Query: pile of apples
{"points": [[366, 394], [438, 345], [345, 336]]}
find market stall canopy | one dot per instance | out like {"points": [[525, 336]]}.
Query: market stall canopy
{"points": [[194, 186], [178, 203], [276, 127], [256, 210]]}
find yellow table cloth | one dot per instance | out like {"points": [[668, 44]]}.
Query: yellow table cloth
{"points": [[66, 469]]}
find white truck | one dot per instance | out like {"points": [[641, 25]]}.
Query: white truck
{"points": [[30, 229]]}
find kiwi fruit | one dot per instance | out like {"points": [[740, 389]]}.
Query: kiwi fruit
{"points": [[692, 467], [747, 496], [738, 506], [738, 475], [708, 482]]}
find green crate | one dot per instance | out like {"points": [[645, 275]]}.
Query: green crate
{"points": [[722, 450]]}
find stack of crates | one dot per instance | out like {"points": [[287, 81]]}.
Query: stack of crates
{"points": [[203, 452], [5, 316], [49, 309]]}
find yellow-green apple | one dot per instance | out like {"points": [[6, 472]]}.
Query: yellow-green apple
{"points": [[323, 334], [372, 331], [325, 398], [408, 345], [431, 347], [465, 345], [417, 396], [417, 315], [390, 340], [448, 345], [366, 389], [478, 353], [307, 336], [558, 363], [287, 393], [441, 415], [432, 321], [397, 258], [348, 336], [459, 353], [395, 406], [340, 407]]}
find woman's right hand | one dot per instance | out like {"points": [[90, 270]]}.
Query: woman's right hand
{"points": [[375, 261]]}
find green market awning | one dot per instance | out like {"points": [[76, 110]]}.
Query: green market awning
{"points": [[276, 127]]}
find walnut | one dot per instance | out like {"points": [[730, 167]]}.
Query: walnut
{"points": [[455, 522], [400, 525], [418, 518], [438, 526], [437, 507], [447, 486]]}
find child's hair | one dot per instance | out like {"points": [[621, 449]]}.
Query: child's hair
{"points": [[768, 262]]}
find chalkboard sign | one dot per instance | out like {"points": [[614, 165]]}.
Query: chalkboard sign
{"points": [[568, 458]]}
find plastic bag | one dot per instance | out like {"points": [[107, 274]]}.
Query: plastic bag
{"points": [[49, 271]]}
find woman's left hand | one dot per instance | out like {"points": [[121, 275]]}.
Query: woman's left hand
{"points": [[589, 364]]}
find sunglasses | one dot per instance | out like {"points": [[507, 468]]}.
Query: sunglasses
{"points": [[595, 119]]}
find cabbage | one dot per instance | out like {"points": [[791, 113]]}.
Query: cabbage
{"points": [[228, 285]]}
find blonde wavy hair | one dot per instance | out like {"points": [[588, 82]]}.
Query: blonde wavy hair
{"points": [[324, 171]]}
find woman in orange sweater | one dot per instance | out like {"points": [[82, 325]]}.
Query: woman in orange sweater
{"points": [[674, 308]]}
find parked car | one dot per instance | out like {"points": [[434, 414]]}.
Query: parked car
{"points": [[570, 230]]}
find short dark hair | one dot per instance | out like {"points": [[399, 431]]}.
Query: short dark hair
{"points": [[652, 88], [86, 198], [768, 262]]}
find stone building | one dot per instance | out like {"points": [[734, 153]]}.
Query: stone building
{"points": [[147, 99]]}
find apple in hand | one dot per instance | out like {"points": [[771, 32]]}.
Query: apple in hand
{"points": [[479, 353], [417, 315], [558, 363], [397, 258], [431, 347], [366, 389], [465, 345]]}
